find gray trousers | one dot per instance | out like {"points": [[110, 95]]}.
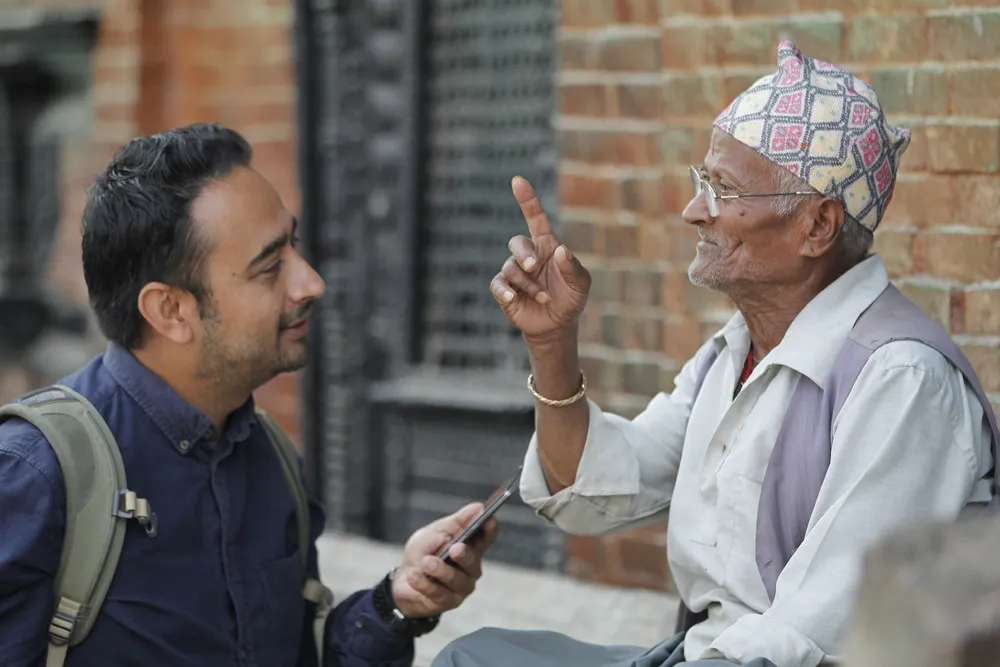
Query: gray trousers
{"points": [[492, 647]]}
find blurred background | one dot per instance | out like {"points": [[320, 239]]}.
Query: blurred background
{"points": [[394, 128]]}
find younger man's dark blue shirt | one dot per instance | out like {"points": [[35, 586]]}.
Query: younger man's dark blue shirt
{"points": [[221, 582]]}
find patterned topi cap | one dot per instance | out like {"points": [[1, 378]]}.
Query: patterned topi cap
{"points": [[824, 125]]}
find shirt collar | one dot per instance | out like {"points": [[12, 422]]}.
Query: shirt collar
{"points": [[183, 424], [817, 333]]}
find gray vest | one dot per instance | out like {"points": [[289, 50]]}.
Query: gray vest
{"points": [[801, 453]]}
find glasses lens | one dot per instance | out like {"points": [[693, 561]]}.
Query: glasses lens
{"points": [[701, 186], [713, 203], [695, 181]]}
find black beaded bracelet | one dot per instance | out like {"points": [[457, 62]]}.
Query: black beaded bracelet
{"points": [[387, 610]]}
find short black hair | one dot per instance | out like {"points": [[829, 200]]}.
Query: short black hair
{"points": [[137, 225]]}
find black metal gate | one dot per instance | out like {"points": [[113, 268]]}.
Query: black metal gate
{"points": [[415, 116]]}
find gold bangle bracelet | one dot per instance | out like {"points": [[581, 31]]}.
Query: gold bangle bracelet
{"points": [[562, 403]]}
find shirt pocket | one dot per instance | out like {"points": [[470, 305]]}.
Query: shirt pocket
{"points": [[280, 612]]}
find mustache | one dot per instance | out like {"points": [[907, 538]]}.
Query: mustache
{"points": [[287, 321], [706, 238]]}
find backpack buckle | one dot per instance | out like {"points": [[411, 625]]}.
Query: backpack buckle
{"points": [[63, 622], [128, 505]]}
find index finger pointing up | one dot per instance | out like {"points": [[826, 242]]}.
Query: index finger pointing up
{"points": [[531, 207]]}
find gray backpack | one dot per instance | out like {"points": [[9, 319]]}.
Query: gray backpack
{"points": [[99, 502]]}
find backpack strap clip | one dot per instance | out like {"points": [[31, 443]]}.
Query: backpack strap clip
{"points": [[63, 622], [128, 505]]}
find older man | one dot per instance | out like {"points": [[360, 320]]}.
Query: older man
{"points": [[827, 412]]}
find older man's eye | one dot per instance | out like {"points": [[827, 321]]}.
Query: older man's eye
{"points": [[725, 187]]}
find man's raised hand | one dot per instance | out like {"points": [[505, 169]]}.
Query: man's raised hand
{"points": [[542, 286]]}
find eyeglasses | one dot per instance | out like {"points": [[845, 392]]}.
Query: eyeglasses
{"points": [[712, 197]]}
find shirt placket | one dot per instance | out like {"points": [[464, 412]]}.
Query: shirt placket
{"points": [[234, 578]]}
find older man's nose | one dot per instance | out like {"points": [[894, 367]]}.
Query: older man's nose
{"points": [[696, 212]]}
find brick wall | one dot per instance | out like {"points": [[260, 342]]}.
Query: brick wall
{"points": [[640, 82], [164, 63]]}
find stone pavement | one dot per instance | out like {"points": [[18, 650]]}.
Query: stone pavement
{"points": [[510, 597]]}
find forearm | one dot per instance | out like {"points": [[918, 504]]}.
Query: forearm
{"points": [[561, 432]]}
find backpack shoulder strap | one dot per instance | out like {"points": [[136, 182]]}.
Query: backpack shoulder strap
{"points": [[97, 501], [289, 458], [313, 590]]}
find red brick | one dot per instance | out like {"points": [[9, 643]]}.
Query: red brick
{"points": [[977, 201], [923, 200], [758, 7], [965, 36], [606, 374], [982, 312], [654, 241], [580, 236], [746, 43], [933, 300], [697, 7], [642, 333], [643, 195], [735, 83], [639, 101], [583, 100], [606, 284], [621, 241], [963, 257], [628, 54], [917, 156], [685, 146], [677, 190], [590, 331], [587, 191], [692, 95], [890, 5], [964, 147], [686, 45], [641, 287], [896, 249], [276, 113], [586, 13], [681, 338], [877, 38], [986, 362], [575, 53], [643, 563], [684, 241], [586, 555], [819, 37], [639, 149], [910, 90], [974, 90], [637, 11]]}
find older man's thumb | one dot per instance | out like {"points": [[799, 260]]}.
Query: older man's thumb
{"points": [[565, 260]]}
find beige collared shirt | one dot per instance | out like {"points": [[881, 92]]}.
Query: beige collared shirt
{"points": [[910, 444]]}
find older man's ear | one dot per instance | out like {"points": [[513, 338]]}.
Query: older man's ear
{"points": [[826, 220]]}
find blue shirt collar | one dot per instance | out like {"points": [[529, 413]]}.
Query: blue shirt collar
{"points": [[183, 424]]}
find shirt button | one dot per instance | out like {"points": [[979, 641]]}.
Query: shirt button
{"points": [[243, 654], [360, 623], [184, 445]]}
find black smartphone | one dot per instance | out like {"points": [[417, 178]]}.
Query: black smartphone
{"points": [[490, 507]]}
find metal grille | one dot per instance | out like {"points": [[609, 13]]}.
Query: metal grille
{"points": [[490, 104], [341, 137], [358, 92], [417, 114]]}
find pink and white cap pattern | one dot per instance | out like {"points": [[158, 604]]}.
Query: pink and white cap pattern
{"points": [[824, 125]]}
